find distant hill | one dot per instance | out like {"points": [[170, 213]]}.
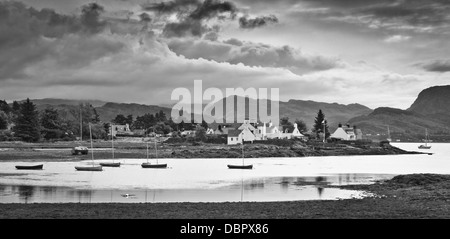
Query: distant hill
{"points": [[306, 110], [431, 110], [434, 102], [335, 113], [55, 102], [110, 110]]}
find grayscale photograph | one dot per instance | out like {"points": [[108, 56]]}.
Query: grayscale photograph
{"points": [[224, 109]]}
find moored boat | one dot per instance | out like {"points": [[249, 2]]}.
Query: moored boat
{"points": [[250, 166], [110, 164], [150, 165], [30, 167], [89, 168]]}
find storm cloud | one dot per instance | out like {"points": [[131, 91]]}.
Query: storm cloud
{"points": [[441, 65], [250, 23]]}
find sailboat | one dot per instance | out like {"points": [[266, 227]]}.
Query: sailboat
{"points": [[111, 164], [150, 165], [93, 167], [426, 141], [243, 166]]}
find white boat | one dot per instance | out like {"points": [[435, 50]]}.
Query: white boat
{"points": [[153, 165], [426, 140], [243, 166], [93, 167], [111, 164]]}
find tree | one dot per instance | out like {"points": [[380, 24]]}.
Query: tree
{"points": [[200, 134], [320, 123], [120, 119], [95, 117], [301, 125], [51, 124], [129, 120], [27, 123], [3, 120], [204, 124], [16, 107], [5, 107], [285, 124]]}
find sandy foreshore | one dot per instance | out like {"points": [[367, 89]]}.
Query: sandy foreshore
{"points": [[404, 196]]}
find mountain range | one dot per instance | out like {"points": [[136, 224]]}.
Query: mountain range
{"points": [[431, 110]]}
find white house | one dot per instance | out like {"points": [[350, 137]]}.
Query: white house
{"points": [[347, 133], [234, 137], [115, 129]]}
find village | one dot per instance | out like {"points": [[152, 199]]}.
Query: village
{"points": [[249, 132]]}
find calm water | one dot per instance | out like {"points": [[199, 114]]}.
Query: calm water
{"points": [[209, 180]]}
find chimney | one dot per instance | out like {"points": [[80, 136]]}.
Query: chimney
{"points": [[339, 125]]}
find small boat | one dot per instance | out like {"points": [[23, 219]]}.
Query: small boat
{"points": [[240, 166], [426, 140], [89, 168], [93, 167], [150, 165], [155, 165], [243, 166], [30, 167], [111, 164]]}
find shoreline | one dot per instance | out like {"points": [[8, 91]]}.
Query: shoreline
{"points": [[60, 151], [404, 196]]}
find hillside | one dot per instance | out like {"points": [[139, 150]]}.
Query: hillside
{"points": [[56, 102], [335, 113], [433, 100], [304, 110], [403, 124], [110, 110]]}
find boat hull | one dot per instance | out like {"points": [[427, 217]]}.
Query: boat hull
{"points": [[240, 166], [89, 168], [148, 165], [424, 147], [110, 164], [30, 167]]}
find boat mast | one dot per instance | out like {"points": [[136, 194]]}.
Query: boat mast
{"points": [[92, 147], [81, 126], [147, 151], [156, 151], [112, 140], [243, 152]]}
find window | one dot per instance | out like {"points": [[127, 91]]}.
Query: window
{"points": [[231, 139]]}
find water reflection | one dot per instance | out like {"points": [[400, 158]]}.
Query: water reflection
{"points": [[257, 189]]}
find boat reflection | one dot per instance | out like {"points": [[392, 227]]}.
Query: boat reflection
{"points": [[256, 189]]}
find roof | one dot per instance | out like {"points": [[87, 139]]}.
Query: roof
{"points": [[234, 133]]}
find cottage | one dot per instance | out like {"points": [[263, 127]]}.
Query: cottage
{"points": [[234, 137], [347, 133], [116, 129]]}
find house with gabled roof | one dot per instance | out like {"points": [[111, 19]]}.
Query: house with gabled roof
{"points": [[345, 132]]}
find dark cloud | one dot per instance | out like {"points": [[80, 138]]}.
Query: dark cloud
{"points": [[29, 36], [90, 17], [436, 65], [187, 27], [144, 17], [191, 15], [212, 8], [250, 23], [171, 6], [235, 52]]}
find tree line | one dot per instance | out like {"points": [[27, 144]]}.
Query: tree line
{"points": [[22, 121]]}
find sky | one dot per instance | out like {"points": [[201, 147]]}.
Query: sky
{"points": [[379, 53]]}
